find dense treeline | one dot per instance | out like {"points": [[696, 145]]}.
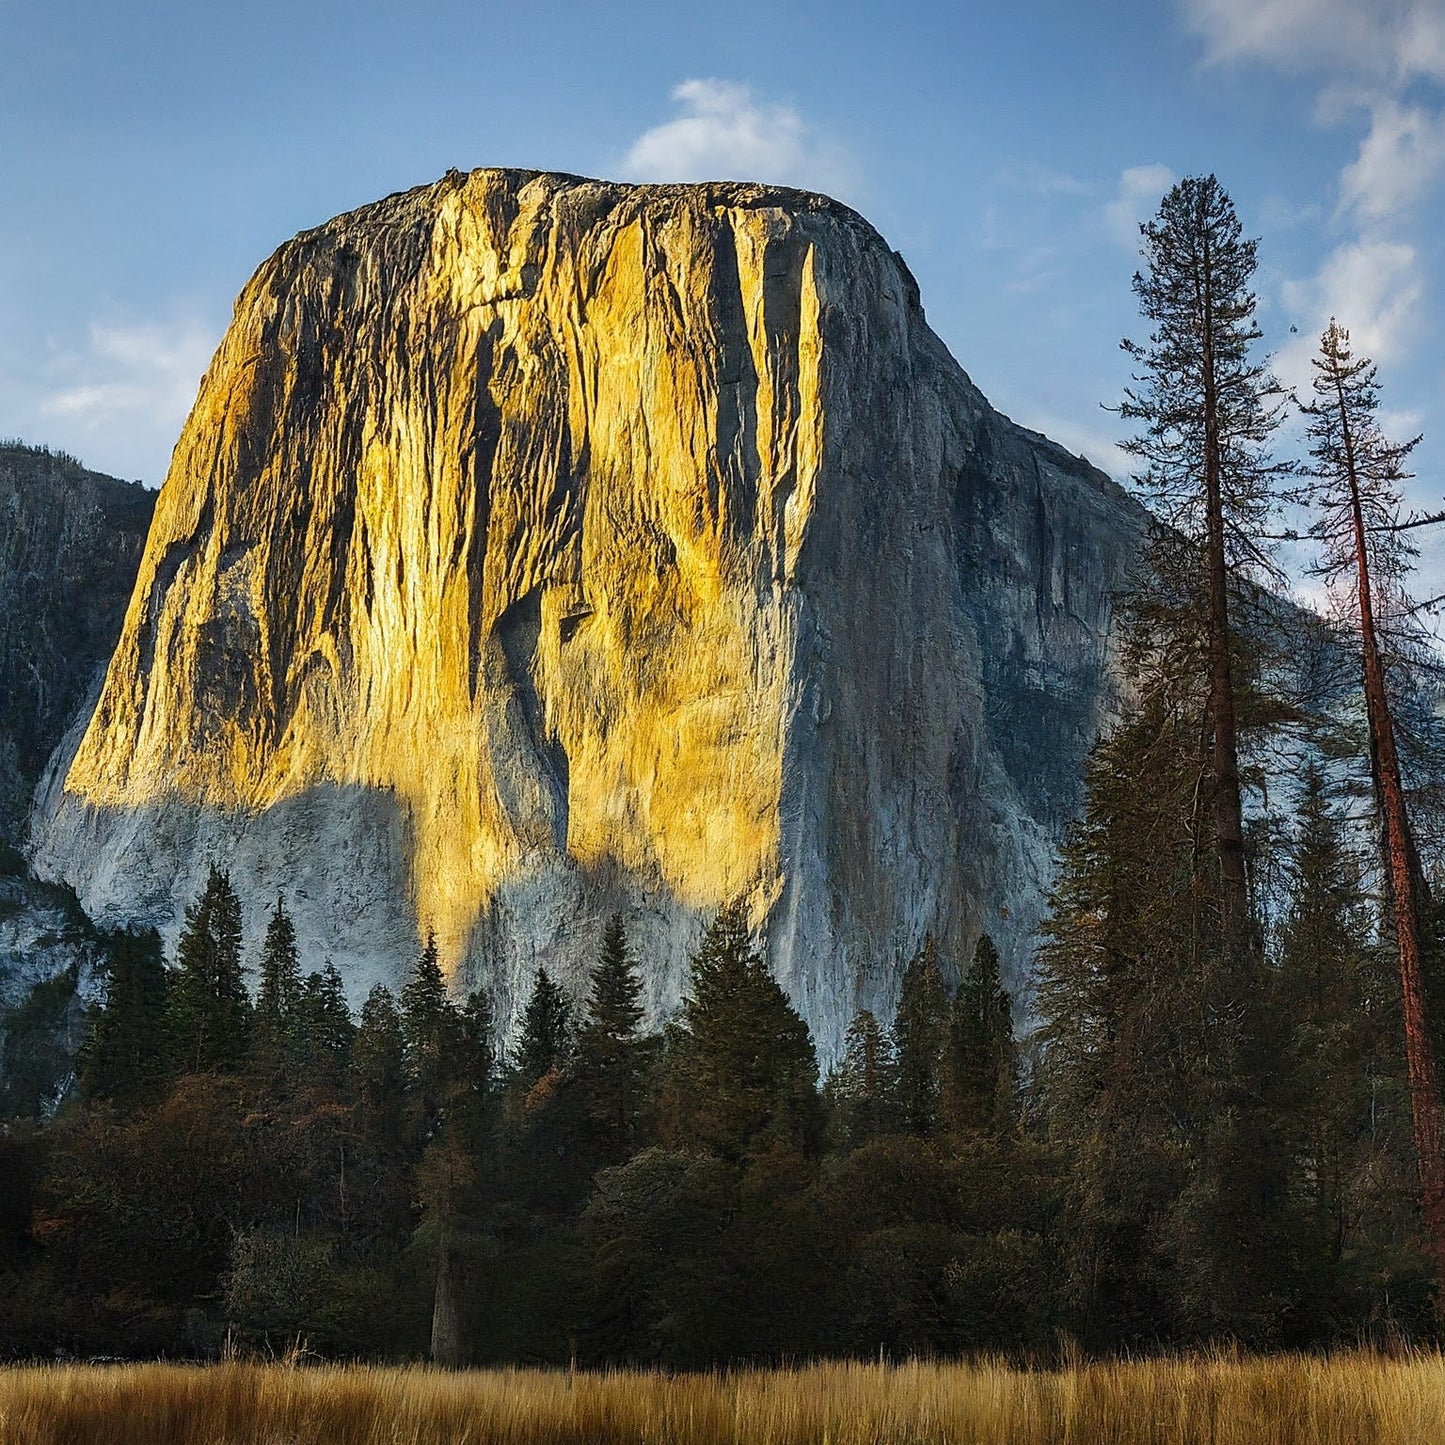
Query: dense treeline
{"points": [[398, 1184], [1221, 1121], [388, 1187]]}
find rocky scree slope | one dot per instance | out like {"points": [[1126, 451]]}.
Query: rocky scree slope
{"points": [[539, 546]]}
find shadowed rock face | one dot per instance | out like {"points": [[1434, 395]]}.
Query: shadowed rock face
{"points": [[70, 544], [539, 546]]}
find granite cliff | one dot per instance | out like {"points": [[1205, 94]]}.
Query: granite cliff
{"points": [[538, 546], [70, 544]]}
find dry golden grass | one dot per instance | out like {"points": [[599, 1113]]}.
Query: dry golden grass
{"points": [[1288, 1398]]}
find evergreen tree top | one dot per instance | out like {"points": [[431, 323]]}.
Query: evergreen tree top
{"points": [[546, 1030], [424, 999], [615, 1006]]}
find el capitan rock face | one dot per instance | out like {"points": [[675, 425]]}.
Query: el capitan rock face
{"points": [[539, 546]]}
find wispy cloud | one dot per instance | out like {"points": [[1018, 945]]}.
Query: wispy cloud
{"points": [[1380, 60], [1388, 39], [1135, 199], [1399, 160], [726, 132], [147, 370], [129, 389], [1373, 286]]}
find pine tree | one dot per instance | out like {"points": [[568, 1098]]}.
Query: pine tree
{"points": [[209, 1008], [125, 1056], [742, 1073], [325, 1030], [430, 1027], [278, 995], [1357, 476], [1114, 986], [1161, 1072], [470, 1068], [610, 1061], [279, 990], [546, 1031], [1329, 991], [1208, 411], [979, 1084], [920, 1035], [378, 1052], [861, 1091], [479, 1059]]}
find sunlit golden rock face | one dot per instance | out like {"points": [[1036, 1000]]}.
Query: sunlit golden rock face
{"points": [[538, 546]]}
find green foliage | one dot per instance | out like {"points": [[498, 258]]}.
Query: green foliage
{"points": [[323, 1027], [611, 1059], [546, 1032], [430, 1029], [741, 1072], [209, 1008], [861, 1092], [125, 1057], [378, 1060], [1194, 288], [980, 1074], [1349, 1117], [277, 1022], [920, 1033]]}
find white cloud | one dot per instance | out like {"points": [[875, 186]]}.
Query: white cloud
{"points": [[1136, 199], [1369, 55], [149, 371], [1394, 39], [1399, 159], [1094, 444], [727, 133], [122, 399], [1371, 287]]}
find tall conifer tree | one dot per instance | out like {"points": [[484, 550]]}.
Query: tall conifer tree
{"points": [[427, 1023], [609, 1058], [1357, 476], [920, 1039], [279, 989], [326, 1028], [546, 1031], [1208, 411], [1330, 995], [981, 1060], [862, 1091], [209, 1007], [379, 1063], [278, 994], [125, 1056], [742, 1074]]}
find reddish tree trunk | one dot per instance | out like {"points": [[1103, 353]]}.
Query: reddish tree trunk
{"points": [[1228, 803], [1405, 892]]}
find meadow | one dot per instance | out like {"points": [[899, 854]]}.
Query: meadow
{"points": [[1219, 1399]]}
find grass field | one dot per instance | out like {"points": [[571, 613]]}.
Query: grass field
{"points": [[1349, 1398]]}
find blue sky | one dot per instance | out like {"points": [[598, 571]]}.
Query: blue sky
{"points": [[152, 154]]}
